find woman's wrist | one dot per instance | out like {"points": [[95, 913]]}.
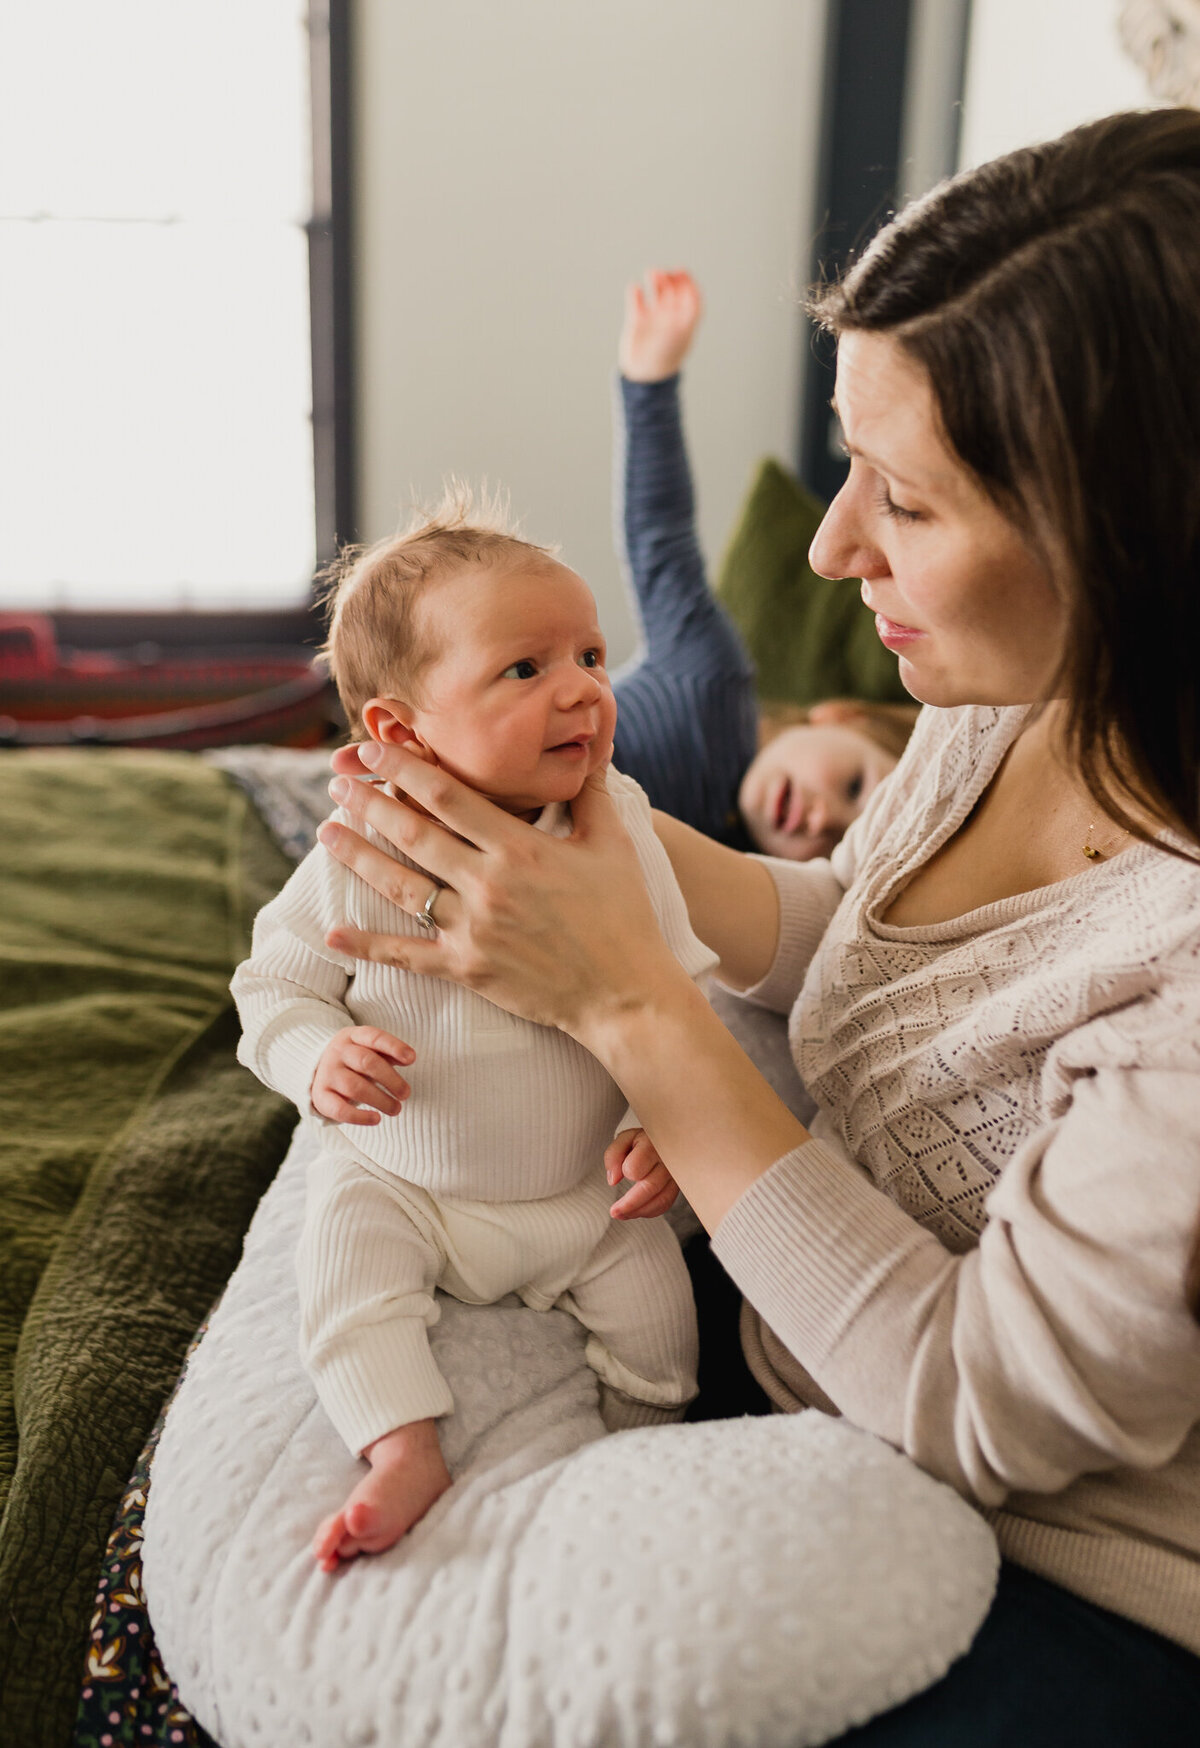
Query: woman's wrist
{"points": [[716, 1123]]}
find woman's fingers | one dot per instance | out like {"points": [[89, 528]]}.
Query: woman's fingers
{"points": [[407, 888], [553, 929], [424, 840], [468, 814]]}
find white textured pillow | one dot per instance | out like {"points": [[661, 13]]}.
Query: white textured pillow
{"points": [[762, 1581]]}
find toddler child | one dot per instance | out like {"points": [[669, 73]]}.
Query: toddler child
{"points": [[481, 652], [688, 726]]}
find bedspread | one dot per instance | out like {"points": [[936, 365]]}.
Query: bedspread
{"points": [[132, 1152]]}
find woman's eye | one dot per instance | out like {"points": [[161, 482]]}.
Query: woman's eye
{"points": [[891, 508], [520, 671], [590, 658]]}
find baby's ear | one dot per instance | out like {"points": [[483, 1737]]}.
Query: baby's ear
{"points": [[388, 721]]}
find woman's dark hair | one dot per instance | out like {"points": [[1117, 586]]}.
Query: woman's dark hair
{"points": [[1053, 298]]}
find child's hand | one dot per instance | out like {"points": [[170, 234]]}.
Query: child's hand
{"points": [[659, 324], [357, 1069], [634, 1156]]}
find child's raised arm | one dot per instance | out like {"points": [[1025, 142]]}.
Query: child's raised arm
{"points": [[687, 721]]}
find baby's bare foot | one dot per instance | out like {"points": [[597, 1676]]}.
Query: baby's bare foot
{"points": [[408, 1472]]}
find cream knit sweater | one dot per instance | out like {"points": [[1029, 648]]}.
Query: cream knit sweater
{"points": [[980, 1255]]}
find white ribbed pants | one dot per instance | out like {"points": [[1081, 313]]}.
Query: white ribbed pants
{"points": [[374, 1248]]}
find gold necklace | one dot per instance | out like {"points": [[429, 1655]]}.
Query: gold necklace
{"points": [[1095, 855]]}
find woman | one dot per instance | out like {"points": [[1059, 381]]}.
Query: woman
{"points": [[981, 1251]]}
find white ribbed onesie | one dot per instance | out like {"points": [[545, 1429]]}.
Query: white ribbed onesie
{"points": [[490, 1179]]}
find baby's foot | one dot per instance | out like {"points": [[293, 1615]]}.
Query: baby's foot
{"points": [[408, 1472]]}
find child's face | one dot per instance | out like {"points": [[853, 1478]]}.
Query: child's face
{"points": [[517, 703], [806, 785]]}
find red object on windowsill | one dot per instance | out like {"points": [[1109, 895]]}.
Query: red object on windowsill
{"points": [[144, 698]]}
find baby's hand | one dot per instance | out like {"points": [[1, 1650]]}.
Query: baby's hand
{"points": [[659, 324], [357, 1069], [634, 1156]]}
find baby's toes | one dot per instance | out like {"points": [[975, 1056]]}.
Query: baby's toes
{"points": [[329, 1543], [361, 1519]]}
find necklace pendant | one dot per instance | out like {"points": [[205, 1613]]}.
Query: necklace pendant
{"points": [[1091, 854]]}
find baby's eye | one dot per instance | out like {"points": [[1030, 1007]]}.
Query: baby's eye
{"points": [[520, 671], [854, 787], [590, 658]]}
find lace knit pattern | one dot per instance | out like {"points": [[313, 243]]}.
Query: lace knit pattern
{"points": [[941, 1049]]}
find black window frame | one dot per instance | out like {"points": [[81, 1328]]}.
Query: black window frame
{"points": [[861, 174]]}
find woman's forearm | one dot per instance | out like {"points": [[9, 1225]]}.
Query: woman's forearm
{"points": [[731, 900], [715, 1121]]}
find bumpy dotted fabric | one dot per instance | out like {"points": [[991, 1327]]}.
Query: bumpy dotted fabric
{"points": [[753, 1582]]}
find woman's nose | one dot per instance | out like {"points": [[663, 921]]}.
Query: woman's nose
{"points": [[840, 546]]}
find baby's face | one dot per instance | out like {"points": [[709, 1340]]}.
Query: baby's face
{"points": [[806, 785], [517, 702]]}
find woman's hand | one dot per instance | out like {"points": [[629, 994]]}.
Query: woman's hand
{"points": [[558, 930]]}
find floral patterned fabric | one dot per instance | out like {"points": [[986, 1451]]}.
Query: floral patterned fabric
{"points": [[128, 1700]]}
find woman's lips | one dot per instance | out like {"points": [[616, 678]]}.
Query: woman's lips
{"points": [[894, 635]]}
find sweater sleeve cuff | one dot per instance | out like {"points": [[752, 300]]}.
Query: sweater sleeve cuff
{"points": [[289, 1055], [809, 893], [650, 396], [809, 1243]]}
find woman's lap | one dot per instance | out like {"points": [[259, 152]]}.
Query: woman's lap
{"points": [[1049, 1670]]}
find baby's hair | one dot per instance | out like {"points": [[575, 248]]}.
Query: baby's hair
{"points": [[370, 592], [887, 726]]}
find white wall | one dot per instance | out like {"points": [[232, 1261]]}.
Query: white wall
{"points": [[518, 161], [1038, 67]]}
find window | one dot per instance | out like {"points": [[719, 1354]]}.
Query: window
{"points": [[156, 436]]}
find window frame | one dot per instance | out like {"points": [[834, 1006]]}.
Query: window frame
{"points": [[330, 274], [867, 119]]}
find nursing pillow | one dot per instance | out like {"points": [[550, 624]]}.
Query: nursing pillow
{"points": [[765, 1581]]}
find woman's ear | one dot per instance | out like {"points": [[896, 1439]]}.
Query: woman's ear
{"points": [[389, 722]]}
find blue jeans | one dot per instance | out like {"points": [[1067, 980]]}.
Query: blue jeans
{"points": [[1048, 1670]]}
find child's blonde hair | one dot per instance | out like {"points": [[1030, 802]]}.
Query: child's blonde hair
{"points": [[886, 725], [372, 645]]}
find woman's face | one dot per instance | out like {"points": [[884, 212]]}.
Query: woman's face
{"points": [[956, 590]]}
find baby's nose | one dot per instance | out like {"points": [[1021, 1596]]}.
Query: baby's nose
{"points": [[581, 686], [816, 814]]}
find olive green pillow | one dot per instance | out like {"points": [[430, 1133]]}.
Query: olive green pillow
{"points": [[810, 638]]}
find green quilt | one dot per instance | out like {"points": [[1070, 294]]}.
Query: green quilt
{"points": [[133, 1150]]}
